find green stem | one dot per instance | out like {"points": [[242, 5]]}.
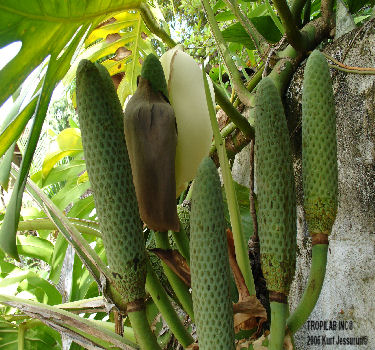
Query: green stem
{"points": [[294, 36], [83, 226], [244, 95], [275, 18], [296, 9], [234, 211], [142, 331], [307, 12], [278, 318], [151, 24], [182, 241], [162, 302], [353, 71], [234, 115], [312, 291], [190, 192], [259, 41], [179, 287], [250, 86], [228, 129], [21, 336]]}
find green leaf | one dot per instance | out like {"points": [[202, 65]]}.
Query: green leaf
{"points": [[275, 19], [83, 208], [140, 47], [70, 193], [264, 24], [12, 132], [58, 21], [28, 282], [8, 335], [35, 247], [65, 171], [44, 291], [81, 280], [120, 43], [220, 4], [5, 166], [6, 268], [356, 5], [58, 257], [87, 332], [68, 143], [63, 25], [242, 193], [83, 177], [225, 16], [260, 10]]}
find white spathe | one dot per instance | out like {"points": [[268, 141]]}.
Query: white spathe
{"points": [[187, 97]]}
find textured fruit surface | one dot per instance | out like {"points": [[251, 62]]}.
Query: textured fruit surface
{"points": [[275, 189], [153, 72], [183, 213], [319, 155], [108, 167], [209, 262]]}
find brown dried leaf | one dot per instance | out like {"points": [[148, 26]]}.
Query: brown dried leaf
{"points": [[243, 292], [288, 344], [193, 346], [121, 53], [108, 21], [176, 262], [112, 37], [257, 345], [249, 314], [116, 78]]}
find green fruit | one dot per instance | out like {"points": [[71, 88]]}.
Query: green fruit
{"points": [[108, 167], [157, 266], [209, 262], [153, 72], [275, 189], [183, 213], [319, 155]]}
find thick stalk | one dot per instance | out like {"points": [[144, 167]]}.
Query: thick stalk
{"points": [[294, 36], [312, 291], [244, 95], [83, 226], [182, 241], [21, 336], [278, 318], [234, 115], [151, 24], [162, 302], [179, 287], [255, 79], [234, 211], [296, 9], [145, 338], [307, 12]]}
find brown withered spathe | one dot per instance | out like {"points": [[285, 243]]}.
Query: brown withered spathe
{"points": [[151, 138]]}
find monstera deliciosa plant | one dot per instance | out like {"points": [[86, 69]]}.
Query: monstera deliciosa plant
{"points": [[138, 291]]}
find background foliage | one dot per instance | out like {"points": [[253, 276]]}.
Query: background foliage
{"points": [[58, 206]]}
